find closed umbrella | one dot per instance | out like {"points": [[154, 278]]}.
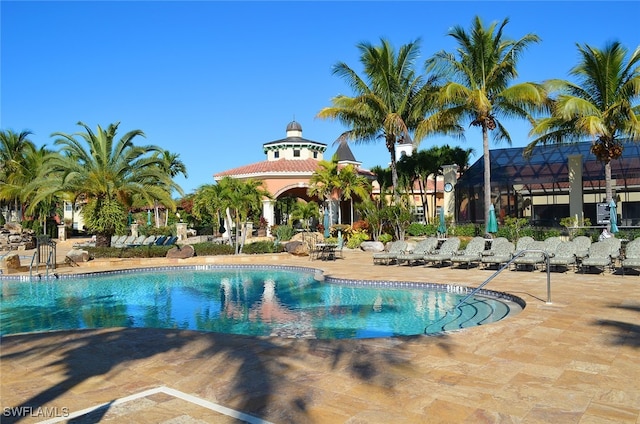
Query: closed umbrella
{"points": [[492, 225], [613, 217], [148, 216], [326, 223], [442, 228]]}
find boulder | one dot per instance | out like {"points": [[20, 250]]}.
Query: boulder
{"points": [[297, 248], [372, 246], [77, 255], [10, 263], [181, 252]]}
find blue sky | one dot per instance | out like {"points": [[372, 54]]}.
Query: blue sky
{"points": [[213, 81]]}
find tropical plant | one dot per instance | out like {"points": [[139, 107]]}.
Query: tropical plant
{"points": [[350, 185], [14, 172], [481, 71], [324, 182], [208, 203], [390, 101], [305, 211], [108, 174], [602, 105], [237, 200]]}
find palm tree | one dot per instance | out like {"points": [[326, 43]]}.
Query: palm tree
{"points": [[14, 149], [324, 182], [390, 100], [208, 201], [481, 70], [351, 184], [599, 106], [109, 174], [173, 166], [304, 211]]}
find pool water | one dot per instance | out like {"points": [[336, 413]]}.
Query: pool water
{"points": [[267, 301]]}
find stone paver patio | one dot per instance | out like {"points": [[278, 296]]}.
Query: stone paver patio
{"points": [[575, 360]]}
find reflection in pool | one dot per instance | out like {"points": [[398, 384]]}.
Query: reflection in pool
{"points": [[257, 301]]}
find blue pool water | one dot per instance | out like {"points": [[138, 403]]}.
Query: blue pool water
{"points": [[257, 301]]}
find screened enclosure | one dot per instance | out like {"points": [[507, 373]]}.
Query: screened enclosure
{"points": [[538, 187]]}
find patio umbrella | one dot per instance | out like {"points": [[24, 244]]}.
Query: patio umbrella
{"points": [[442, 228], [129, 218], [326, 223], [613, 217], [148, 216], [492, 225]]}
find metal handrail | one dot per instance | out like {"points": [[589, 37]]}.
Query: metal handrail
{"points": [[495, 274]]}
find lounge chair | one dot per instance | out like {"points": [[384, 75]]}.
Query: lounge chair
{"points": [[494, 243], [472, 254], [632, 256], [445, 253], [395, 248], [523, 243], [502, 252], [126, 242], [551, 244], [149, 241], [564, 256], [160, 240], [171, 240], [582, 246], [599, 256], [117, 240], [137, 241], [615, 244], [532, 257], [423, 247]]}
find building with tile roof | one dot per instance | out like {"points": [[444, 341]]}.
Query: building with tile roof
{"points": [[290, 163]]}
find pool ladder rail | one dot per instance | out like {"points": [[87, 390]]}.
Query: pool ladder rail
{"points": [[45, 249], [495, 274]]}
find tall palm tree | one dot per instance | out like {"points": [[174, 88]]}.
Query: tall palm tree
{"points": [[350, 185], [14, 149], [481, 71], [109, 174], [390, 101], [174, 166], [602, 105]]}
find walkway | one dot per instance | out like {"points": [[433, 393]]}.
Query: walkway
{"points": [[574, 361]]}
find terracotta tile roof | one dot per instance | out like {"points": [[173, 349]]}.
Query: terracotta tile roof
{"points": [[280, 166], [272, 167]]}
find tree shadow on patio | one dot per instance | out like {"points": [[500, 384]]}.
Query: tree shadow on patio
{"points": [[628, 333]]}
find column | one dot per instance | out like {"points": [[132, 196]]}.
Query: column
{"points": [[450, 174], [181, 231], [268, 212], [62, 232], [576, 206]]}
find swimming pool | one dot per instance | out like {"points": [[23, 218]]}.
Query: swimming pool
{"points": [[247, 300]]}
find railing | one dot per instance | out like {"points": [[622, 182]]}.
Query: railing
{"points": [[45, 249], [495, 274]]}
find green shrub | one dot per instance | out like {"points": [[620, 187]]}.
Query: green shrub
{"points": [[385, 238], [465, 230], [284, 232], [129, 252], [418, 229], [356, 239], [262, 247], [213, 249]]}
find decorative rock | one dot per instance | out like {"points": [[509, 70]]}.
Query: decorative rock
{"points": [[77, 255], [372, 246], [297, 248], [181, 252], [10, 263]]}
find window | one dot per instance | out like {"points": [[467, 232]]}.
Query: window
{"points": [[67, 207], [296, 153], [315, 155]]}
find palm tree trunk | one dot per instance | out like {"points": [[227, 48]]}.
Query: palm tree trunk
{"points": [[487, 176], [391, 146], [607, 182]]}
